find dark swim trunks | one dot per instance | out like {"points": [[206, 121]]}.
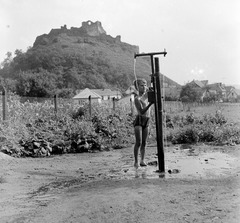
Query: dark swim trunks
{"points": [[141, 121]]}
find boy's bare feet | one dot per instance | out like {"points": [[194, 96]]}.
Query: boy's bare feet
{"points": [[135, 165], [143, 163]]}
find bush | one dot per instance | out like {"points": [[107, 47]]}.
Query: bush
{"points": [[34, 129], [208, 128], [186, 135]]}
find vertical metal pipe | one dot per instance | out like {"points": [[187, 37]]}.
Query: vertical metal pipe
{"points": [[152, 64], [131, 105], [159, 121], [153, 80]]}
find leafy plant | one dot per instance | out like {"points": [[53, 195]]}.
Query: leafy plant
{"points": [[34, 128], [208, 128]]}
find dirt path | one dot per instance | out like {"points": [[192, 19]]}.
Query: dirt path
{"points": [[104, 187]]}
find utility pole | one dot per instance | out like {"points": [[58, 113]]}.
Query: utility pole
{"points": [[156, 97]]}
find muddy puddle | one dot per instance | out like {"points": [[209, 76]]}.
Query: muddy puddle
{"points": [[185, 164]]}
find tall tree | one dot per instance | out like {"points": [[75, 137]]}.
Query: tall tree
{"points": [[189, 94], [42, 84]]}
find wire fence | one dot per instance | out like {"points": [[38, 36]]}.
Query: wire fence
{"points": [[10, 104]]}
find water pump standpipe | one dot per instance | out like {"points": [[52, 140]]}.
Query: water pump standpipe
{"points": [[154, 95]]}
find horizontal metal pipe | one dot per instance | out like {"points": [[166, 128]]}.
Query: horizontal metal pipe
{"points": [[149, 54]]}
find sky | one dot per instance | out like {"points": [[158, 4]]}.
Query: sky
{"points": [[201, 37]]}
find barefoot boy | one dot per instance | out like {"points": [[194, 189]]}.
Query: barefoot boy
{"points": [[141, 122]]}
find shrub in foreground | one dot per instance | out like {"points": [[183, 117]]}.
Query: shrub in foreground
{"points": [[208, 128], [33, 129]]}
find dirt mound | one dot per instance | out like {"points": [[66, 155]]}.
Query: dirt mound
{"points": [[4, 156]]}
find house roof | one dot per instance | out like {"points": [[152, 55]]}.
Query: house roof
{"points": [[205, 82], [232, 90], [84, 94], [229, 88], [237, 91], [106, 92], [198, 83], [131, 90], [217, 86]]}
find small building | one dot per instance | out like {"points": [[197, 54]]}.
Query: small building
{"points": [[97, 95], [197, 84], [231, 94], [108, 94], [83, 97], [210, 92], [208, 95], [131, 90], [220, 90]]}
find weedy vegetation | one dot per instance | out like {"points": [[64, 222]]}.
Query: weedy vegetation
{"points": [[35, 129], [209, 128]]}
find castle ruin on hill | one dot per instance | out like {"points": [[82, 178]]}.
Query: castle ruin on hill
{"points": [[93, 28], [88, 29]]}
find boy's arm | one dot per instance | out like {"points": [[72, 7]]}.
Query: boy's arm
{"points": [[140, 108]]}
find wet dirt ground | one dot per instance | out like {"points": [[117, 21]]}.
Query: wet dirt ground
{"points": [[200, 184]]}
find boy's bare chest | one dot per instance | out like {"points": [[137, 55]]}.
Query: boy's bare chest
{"points": [[143, 102]]}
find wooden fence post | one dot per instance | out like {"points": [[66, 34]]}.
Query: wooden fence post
{"points": [[55, 104], [114, 104], [4, 104], [90, 105]]}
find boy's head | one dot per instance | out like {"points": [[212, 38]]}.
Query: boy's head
{"points": [[138, 82]]}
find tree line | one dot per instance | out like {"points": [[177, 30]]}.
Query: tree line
{"points": [[45, 71]]}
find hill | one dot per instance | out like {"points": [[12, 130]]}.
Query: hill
{"points": [[82, 57]]}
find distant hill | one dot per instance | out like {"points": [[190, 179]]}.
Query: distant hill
{"points": [[85, 57]]}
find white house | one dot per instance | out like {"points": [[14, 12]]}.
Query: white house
{"points": [[232, 95], [107, 94], [83, 96], [131, 90]]}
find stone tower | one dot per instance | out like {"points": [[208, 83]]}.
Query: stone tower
{"points": [[93, 28]]}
